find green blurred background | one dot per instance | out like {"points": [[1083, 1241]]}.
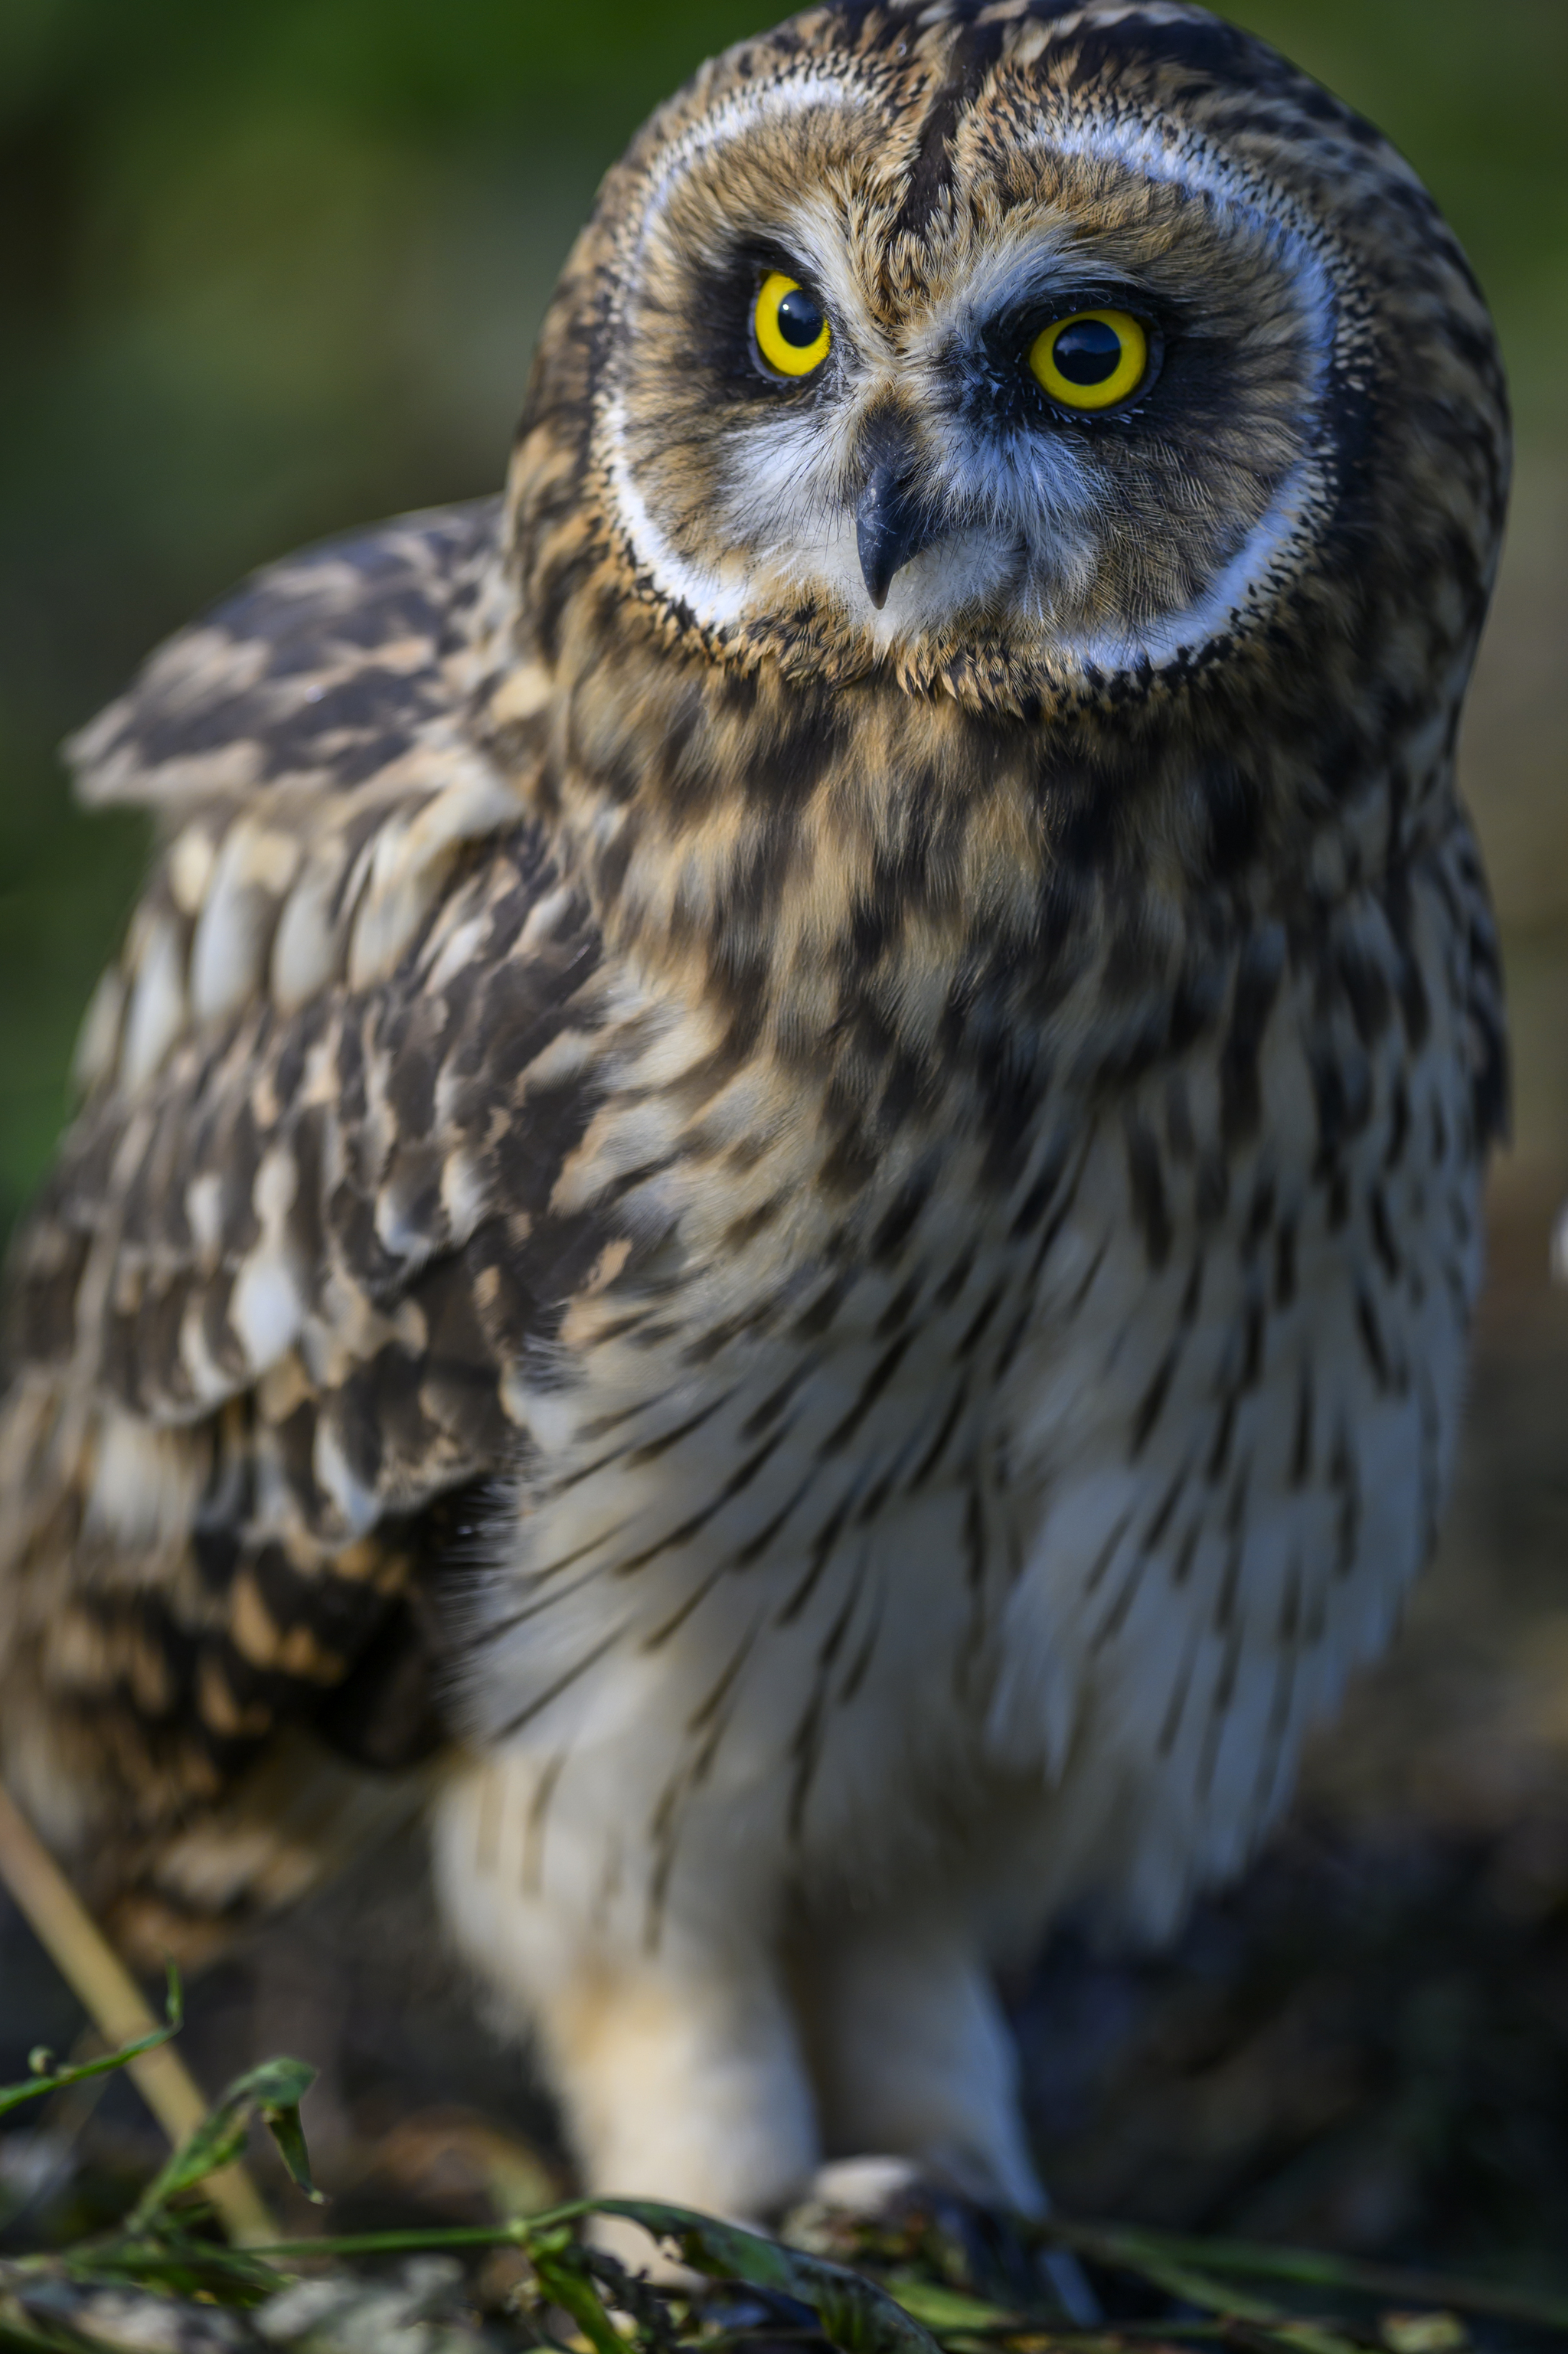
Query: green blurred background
{"points": [[268, 267]]}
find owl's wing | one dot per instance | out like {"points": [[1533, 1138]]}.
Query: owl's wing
{"points": [[261, 1322]]}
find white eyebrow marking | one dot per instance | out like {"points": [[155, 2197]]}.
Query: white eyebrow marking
{"points": [[1190, 162], [740, 112]]}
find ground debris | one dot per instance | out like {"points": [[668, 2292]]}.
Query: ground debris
{"points": [[417, 2310]]}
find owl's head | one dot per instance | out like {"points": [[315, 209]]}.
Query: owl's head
{"points": [[1018, 349]]}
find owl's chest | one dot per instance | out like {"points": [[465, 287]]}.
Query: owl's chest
{"points": [[1101, 1479], [1236, 1409]]}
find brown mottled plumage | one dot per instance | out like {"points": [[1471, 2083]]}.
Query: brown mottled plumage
{"points": [[781, 1186]]}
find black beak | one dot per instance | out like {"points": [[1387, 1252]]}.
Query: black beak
{"points": [[890, 525]]}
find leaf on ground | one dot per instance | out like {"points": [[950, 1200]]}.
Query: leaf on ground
{"points": [[856, 2316], [942, 2308], [271, 2091]]}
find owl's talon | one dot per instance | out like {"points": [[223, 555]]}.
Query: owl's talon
{"points": [[871, 2185], [876, 2195]]}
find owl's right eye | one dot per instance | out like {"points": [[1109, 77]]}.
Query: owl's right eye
{"points": [[792, 334]]}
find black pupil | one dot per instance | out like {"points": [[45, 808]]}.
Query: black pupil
{"points": [[1087, 352], [799, 321]]}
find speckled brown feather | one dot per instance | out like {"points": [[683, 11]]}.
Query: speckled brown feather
{"points": [[524, 947], [193, 1555]]}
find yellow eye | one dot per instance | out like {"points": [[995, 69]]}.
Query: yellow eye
{"points": [[791, 332], [1092, 360]]}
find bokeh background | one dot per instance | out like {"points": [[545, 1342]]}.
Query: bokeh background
{"points": [[271, 268]]}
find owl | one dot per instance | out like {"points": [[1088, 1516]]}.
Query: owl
{"points": [[776, 1203]]}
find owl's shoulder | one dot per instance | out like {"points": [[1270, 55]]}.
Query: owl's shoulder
{"points": [[318, 664], [306, 754]]}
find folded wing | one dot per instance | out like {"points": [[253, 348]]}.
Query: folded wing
{"points": [[261, 1322]]}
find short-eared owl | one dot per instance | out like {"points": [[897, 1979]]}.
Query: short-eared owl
{"points": [[779, 1193]]}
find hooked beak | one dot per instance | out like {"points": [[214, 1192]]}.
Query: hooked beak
{"points": [[891, 524]]}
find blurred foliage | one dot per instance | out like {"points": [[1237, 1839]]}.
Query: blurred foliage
{"points": [[274, 266], [927, 2272]]}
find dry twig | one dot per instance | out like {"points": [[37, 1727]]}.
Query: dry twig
{"points": [[102, 1983]]}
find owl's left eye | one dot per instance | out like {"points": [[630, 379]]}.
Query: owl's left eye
{"points": [[792, 334], [1092, 360]]}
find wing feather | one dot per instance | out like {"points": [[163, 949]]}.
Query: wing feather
{"points": [[260, 1322]]}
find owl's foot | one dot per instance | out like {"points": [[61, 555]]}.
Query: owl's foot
{"points": [[867, 2206], [643, 2257]]}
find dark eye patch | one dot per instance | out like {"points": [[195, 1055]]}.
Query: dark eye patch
{"points": [[1003, 391], [719, 315]]}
